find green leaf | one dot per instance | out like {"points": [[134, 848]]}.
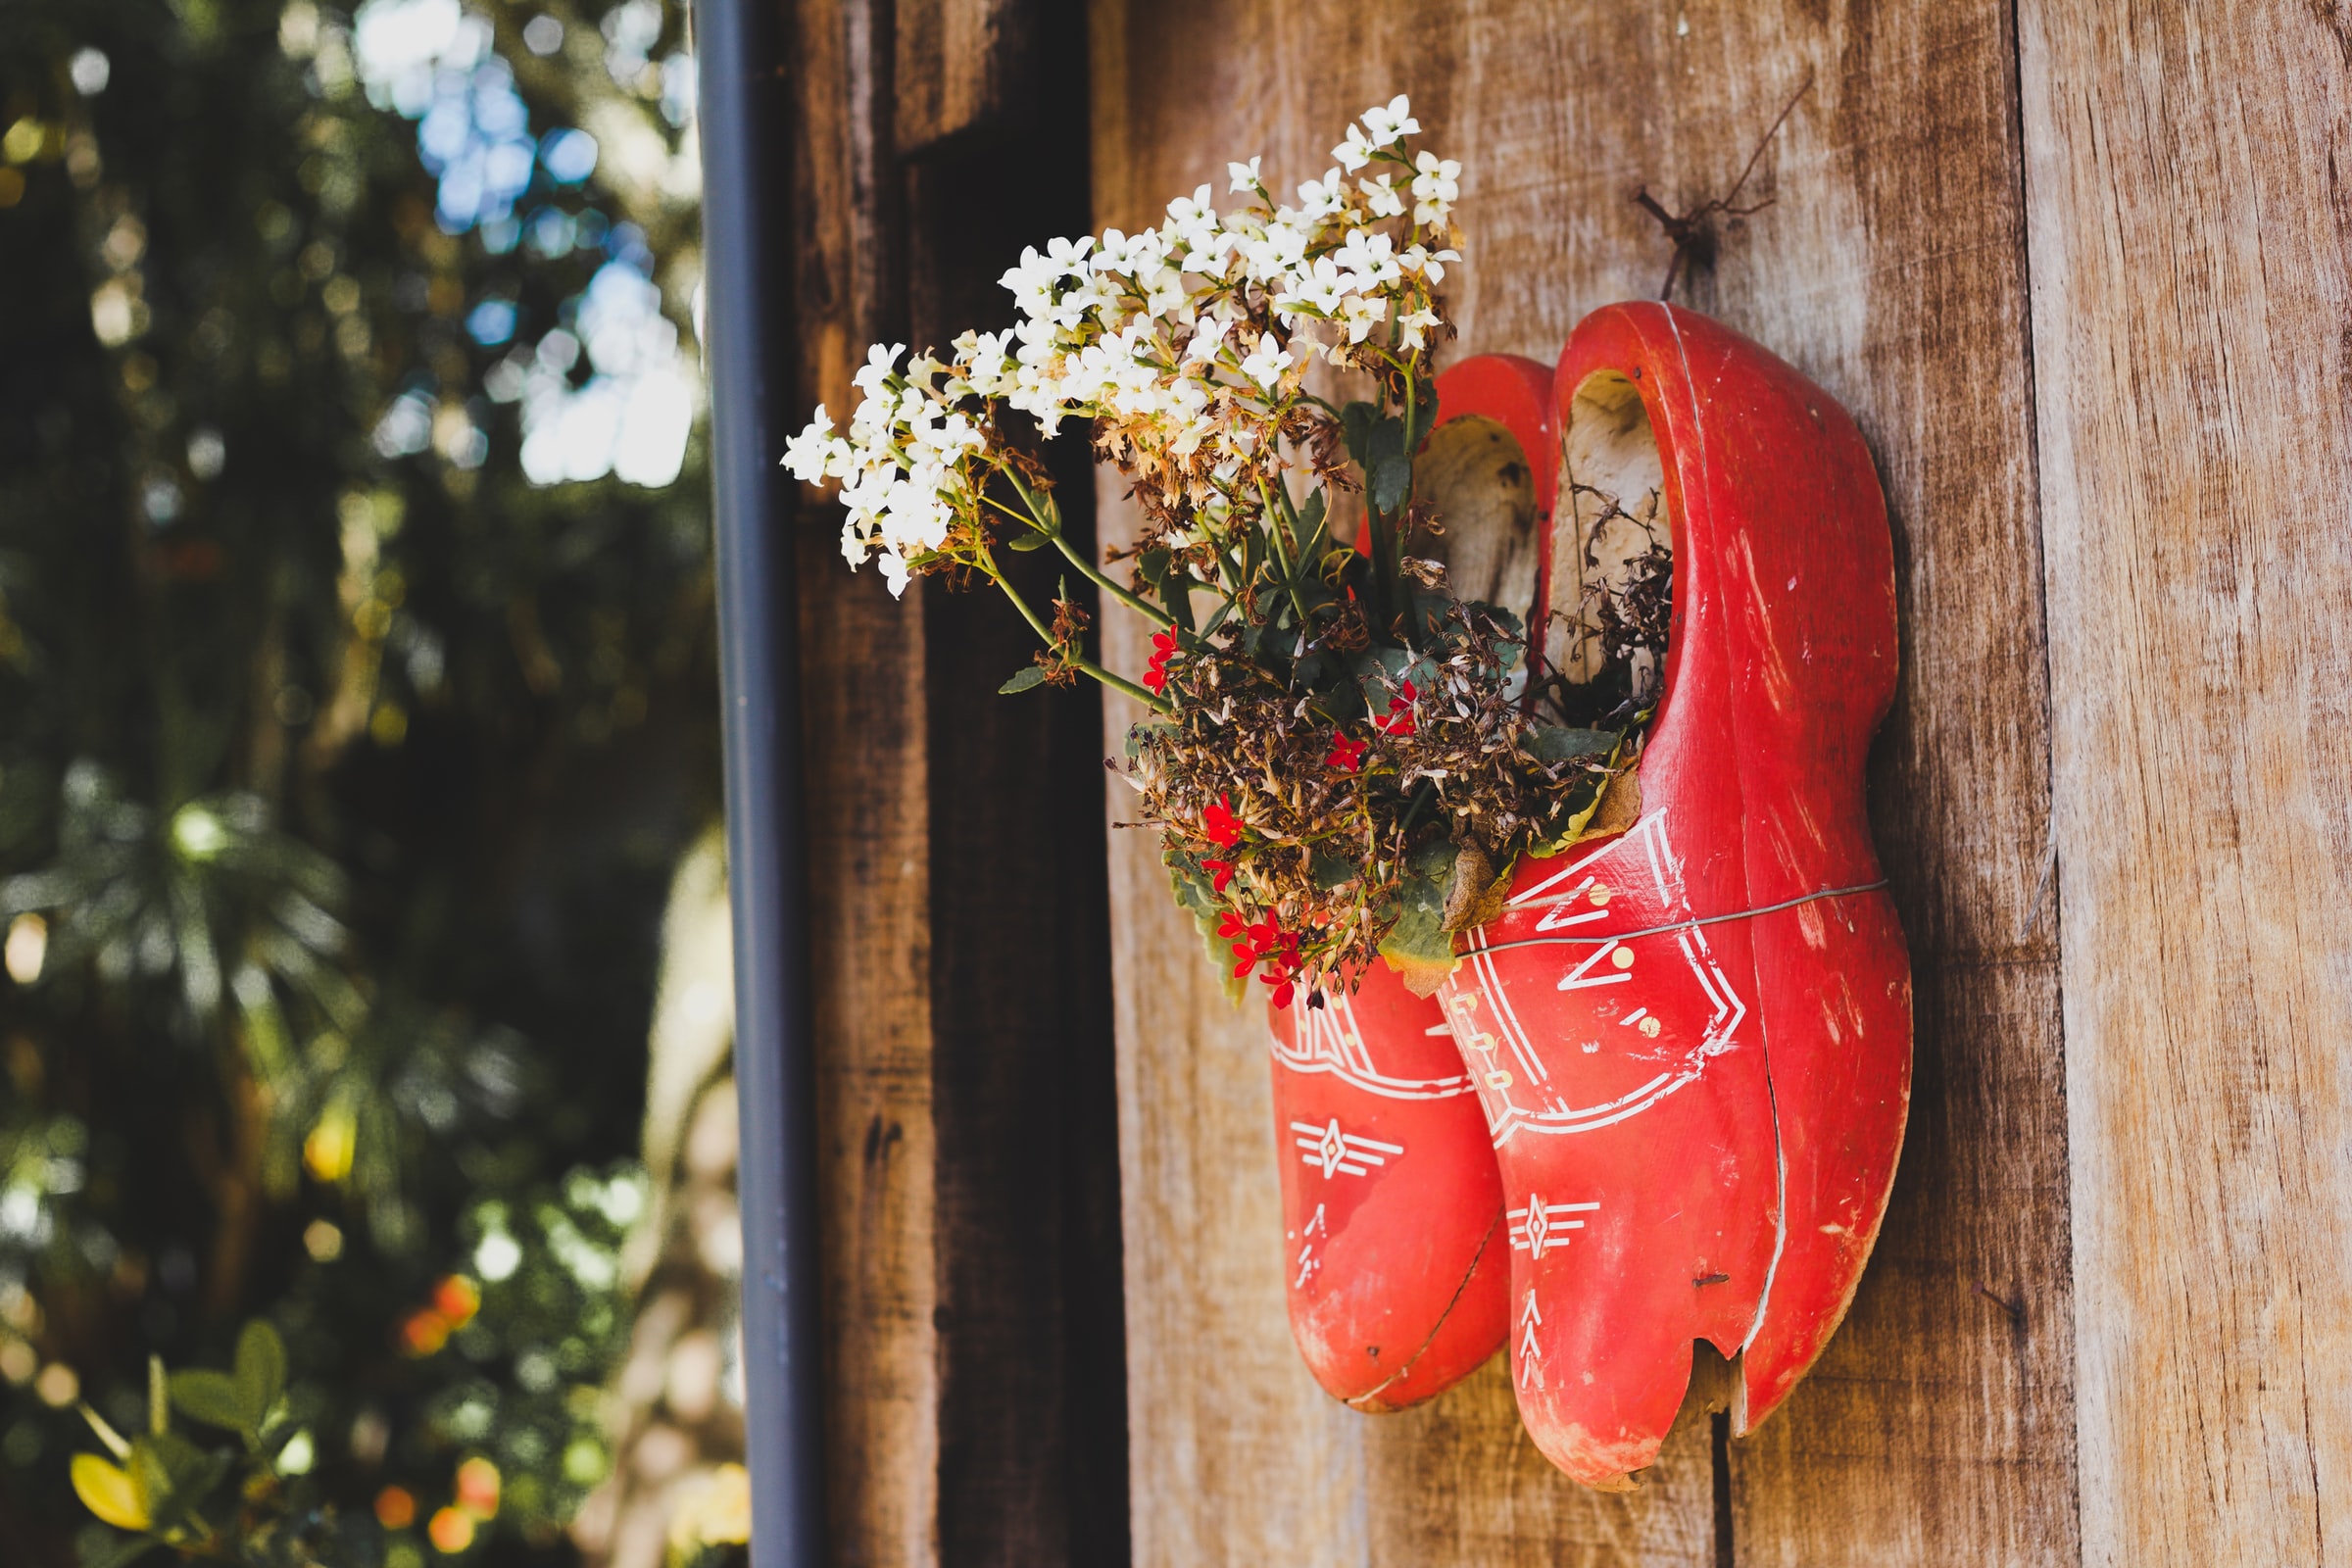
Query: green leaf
{"points": [[1198, 899], [1418, 947], [212, 1398], [261, 1370], [171, 1475], [1026, 542], [1553, 743], [1392, 482], [1425, 414], [1355, 425], [1028, 676], [1331, 870]]}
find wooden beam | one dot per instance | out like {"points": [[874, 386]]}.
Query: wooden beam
{"points": [[959, 964], [2191, 287], [867, 771]]}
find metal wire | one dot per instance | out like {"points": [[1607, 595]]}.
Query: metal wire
{"points": [[1678, 925]]}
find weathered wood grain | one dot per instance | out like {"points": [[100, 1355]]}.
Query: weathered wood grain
{"points": [[963, 65], [2191, 283], [864, 717], [1890, 269]]}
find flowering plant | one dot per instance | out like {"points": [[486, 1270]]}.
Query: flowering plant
{"points": [[1343, 758]]}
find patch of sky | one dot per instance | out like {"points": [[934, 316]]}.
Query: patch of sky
{"points": [[631, 417], [631, 30], [569, 156], [432, 60], [492, 323], [678, 89]]}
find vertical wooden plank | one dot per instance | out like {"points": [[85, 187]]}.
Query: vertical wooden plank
{"points": [[969, 1168], [2188, 231], [1889, 268], [1938, 1424], [864, 718], [1032, 1417]]}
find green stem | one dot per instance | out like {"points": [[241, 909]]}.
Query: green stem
{"points": [[1141, 605], [1116, 682], [1101, 579], [1276, 527]]}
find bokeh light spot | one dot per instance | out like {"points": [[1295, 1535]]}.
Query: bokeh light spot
{"points": [[451, 1530]]}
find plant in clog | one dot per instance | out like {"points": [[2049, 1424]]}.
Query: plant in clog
{"points": [[1414, 729]]}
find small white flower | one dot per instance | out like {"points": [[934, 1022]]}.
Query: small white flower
{"points": [[1243, 177], [1356, 152], [1266, 365], [880, 362], [1362, 313], [1321, 198], [1435, 187], [805, 454], [1386, 128], [1381, 196], [1416, 325], [1208, 338]]}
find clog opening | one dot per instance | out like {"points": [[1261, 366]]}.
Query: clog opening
{"points": [[1476, 477], [1612, 558]]}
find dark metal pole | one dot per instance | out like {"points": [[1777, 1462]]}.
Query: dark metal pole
{"points": [[736, 44]]}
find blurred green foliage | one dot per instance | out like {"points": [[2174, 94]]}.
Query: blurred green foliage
{"points": [[343, 758]]}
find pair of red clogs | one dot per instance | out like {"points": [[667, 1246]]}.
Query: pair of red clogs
{"points": [[1660, 1097]]}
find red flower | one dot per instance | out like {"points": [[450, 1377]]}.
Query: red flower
{"points": [[1260, 941], [1220, 872], [1346, 754], [1224, 829], [1280, 951], [1235, 930], [1163, 648], [1400, 719]]}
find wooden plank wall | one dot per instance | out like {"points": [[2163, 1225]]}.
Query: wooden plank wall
{"points": [[1891, 267], [2191, 286]]}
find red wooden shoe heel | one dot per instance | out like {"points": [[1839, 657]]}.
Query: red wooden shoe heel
{"points": [[1693, 1040], [1396, 1257]]}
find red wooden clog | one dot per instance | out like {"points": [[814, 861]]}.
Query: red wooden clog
{"points": [[1395, 1259], [1392, 1204], [1693, 1040]]}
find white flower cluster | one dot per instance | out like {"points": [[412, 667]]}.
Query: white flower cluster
{"points": [[1187, 342]]}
